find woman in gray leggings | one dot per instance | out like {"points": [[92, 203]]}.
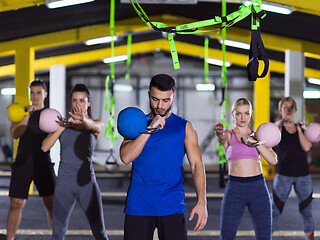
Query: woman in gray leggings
{"points": [[76, 178], [293, 168]]}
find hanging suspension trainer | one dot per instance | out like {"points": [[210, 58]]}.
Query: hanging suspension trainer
{"points": [[257, 49]]}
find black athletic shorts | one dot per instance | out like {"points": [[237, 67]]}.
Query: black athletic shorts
{"points": [[42, 174], [171, 227]]}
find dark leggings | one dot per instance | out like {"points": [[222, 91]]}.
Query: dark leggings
{"points": [[171, 227], [239, 193], [66, 193]]}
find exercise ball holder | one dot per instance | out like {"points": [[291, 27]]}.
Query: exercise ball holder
{"points": [[132, 122]]}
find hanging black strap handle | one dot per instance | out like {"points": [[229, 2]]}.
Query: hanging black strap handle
{"points": [[223, 92], [257, 52]]}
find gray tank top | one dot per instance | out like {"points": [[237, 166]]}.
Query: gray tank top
{"points": [[76, 152]]}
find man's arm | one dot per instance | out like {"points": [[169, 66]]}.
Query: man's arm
{"points": [[198, 175], [131, 149], [18, 129]]}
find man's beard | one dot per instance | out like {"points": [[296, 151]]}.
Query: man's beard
{"points": [[154, 112]]}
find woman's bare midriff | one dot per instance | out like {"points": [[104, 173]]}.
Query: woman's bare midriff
{"points": [[245, 168]]}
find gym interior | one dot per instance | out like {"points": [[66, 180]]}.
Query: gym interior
{"points": [[51, 44]]}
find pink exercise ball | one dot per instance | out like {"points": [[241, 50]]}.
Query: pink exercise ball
{"points": [[49, 119], [268, 134], [312, 132]]}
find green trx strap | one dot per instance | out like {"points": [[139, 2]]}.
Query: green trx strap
{"points": [[106, 99], [111, 126], [129, 40], [224, 81], [232, 18], [206, 64], [191, 28], [222, 156], [174, 53]]}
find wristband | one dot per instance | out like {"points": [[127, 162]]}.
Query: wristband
{"points": [[152, 130], [253, 144], [65, 122]]}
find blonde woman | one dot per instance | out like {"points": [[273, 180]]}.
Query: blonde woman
{"points": [[246, 185]]}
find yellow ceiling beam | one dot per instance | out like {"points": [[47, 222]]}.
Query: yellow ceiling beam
{"points": [[66, 37], [7, 53], [7, 70], [9, 5], [142, 47]]}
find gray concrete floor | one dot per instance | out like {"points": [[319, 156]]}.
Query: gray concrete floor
{"points": [[34, 225]]}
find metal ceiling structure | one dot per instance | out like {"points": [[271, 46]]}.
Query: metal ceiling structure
{"points": [[57, 35]]}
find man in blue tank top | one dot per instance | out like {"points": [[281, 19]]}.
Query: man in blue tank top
{"points": [[156, 196]]}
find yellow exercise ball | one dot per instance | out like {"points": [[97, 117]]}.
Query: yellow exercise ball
{"points": [[16, 112]]}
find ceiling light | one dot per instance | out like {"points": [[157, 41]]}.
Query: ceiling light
{"points": [[236, 44], [314, 81], [64, 3], [272, 7], [205, 87], [122, 88], [100, 40], [217, 62], [8, 91], [311, 93], [115, 59]]}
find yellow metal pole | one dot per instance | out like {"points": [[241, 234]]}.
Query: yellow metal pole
{"points": [[24, 63], [262, 111], [24, 60]]}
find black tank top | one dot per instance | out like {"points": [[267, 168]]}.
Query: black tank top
{"points": [[292, 158], [30, 142]]}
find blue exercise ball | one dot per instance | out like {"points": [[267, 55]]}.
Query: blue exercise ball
{"points": [[131, 122]]}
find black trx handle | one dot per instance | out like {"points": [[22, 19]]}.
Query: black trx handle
{"points": [[111, 85], [257, 52], [223, 91]]}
